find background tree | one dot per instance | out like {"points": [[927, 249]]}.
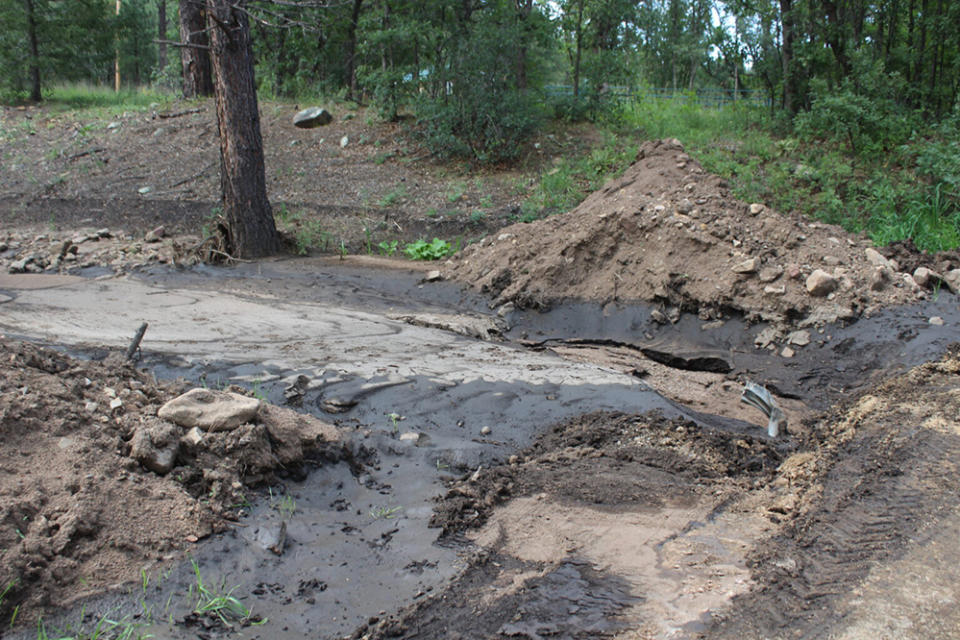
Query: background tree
{"points": [[195, 54], [251, 230]]}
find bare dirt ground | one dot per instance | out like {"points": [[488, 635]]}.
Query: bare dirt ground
{"points": [[609, 525]]}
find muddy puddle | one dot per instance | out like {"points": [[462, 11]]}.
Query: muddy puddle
{"points": [[433, 387]]}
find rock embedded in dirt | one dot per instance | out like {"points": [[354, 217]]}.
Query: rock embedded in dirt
{"points": [[155, 235], [210, 410], [749, 265], [312, 117], [799, 338], [877, 259], [820, 283], [155, 445]]}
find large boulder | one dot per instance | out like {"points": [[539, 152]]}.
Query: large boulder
{"points": [[312, 118], [210, 410]]}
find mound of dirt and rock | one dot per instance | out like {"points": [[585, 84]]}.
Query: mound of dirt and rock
{"points": [[95, 486], [669, 232]]}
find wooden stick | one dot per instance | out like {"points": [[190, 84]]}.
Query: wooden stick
{"points": [[132, 349], [179, 113]]}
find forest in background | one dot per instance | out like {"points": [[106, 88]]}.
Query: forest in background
{"points": [[858, 114]]}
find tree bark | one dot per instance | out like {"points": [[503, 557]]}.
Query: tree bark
{"points": [[789, 73], [162, 34], [35, 95], [197, 80], [579, 50], [243, 185], [351, 70]]}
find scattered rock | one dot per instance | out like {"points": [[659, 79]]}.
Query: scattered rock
{"points": [[155, 445], [210, 410], [910, 283], [756, 208], [787, 352], [193, 437], [879, 279], [155, 235], [820, 283], [410, 436], [770, 273], [485, 431], [312, 117], [936, 321], [799, 338], [775, 291], [927, 278], [952, 279], [658, 316], [876, 258], [684, 206], [767, 337], [432, 276], [747, 266], [344, 141]]}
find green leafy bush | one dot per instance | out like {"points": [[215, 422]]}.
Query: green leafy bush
{"points": [[423, 250]]}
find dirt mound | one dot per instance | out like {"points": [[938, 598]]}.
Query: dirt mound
{"points": [[78, 514], [667, 231], [647, 460]]}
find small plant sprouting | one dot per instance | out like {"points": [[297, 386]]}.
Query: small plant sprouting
{"points": [[258, 391], [287, 507], [342, 249], [367, 238], [395, 419], [219, 602], [387, 248], [386, 513]]}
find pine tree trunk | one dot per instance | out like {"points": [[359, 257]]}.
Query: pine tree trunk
{"points": [[243, 184], [351, 57], [35, 95], [789, 73], [162, 34], [197, 80]]}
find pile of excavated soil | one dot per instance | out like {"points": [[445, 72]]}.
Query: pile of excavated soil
{"points": [[78, 514], [669, 232]]}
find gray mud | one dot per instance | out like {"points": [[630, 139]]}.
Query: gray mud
{"points": [[422, 405]]}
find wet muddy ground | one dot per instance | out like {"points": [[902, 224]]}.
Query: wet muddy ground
{"points": [[518, 474]]}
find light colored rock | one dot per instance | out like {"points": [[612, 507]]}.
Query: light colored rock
{"points": [[766, 337], [909, 282], [210, 410], [827, 314], [312, 117], [344, 141], [794, 272], [756, 208], [155, 235], [787, 352], [770, 273], [116, 403], [432, 276], [155, 445], [831, 261], [410, 436], [799, 338], [485, 431], [772, 290], [749, 265], [952, 280], [936, 321], [876, 258], [193, 437], [90, 407], [927, 278], [820, 283]]}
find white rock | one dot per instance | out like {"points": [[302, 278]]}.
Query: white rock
{"points": [[787, 352], [756, 208], [799, 338], [747, 266], [344, 141], [875, 258], [210, 410], [820, 283], [485, 431], [193, 437], [936, 321], [410, 436], [116, 403]]}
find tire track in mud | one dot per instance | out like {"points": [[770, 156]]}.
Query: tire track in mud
{"points": [[882, 494]]}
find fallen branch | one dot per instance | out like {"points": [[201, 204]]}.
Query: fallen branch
{"points": [[180, 113], [135, 345], [193, 177], [86, 153]]}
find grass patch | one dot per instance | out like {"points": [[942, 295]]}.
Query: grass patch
{"points": [[911, 192], [79, 97]]}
